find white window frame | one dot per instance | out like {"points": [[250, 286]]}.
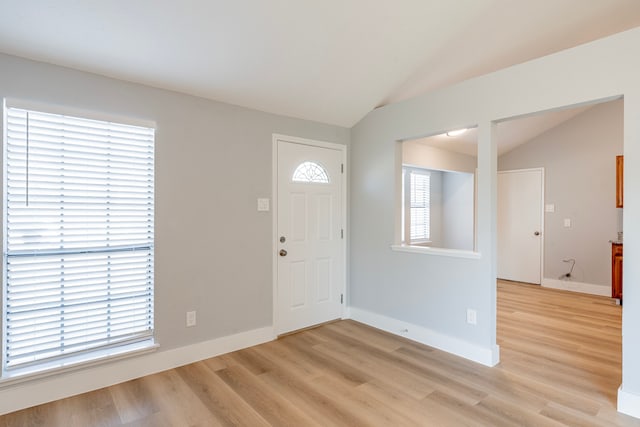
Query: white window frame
{"points": [[95, 354], [407, 206]]}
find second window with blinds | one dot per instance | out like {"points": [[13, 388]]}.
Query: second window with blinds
{"points": [[416, 206], [79, 238]]}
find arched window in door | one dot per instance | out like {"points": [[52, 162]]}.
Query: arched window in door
{"points": [[310, 172]]}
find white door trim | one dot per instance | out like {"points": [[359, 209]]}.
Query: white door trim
{"points": [[542, 231], [274, 224]]}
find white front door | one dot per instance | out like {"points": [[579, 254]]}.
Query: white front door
{"points": [[310, 248], [520, 202]]}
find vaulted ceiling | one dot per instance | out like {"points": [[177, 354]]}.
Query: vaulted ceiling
{"points": [[330, 61]]}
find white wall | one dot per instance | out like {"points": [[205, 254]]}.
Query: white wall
{"points": [[432, 291], [213, 249], [578, 157]]}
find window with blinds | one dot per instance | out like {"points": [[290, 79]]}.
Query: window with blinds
{"points": [[416, 205], [78, 235], [420, 196]]}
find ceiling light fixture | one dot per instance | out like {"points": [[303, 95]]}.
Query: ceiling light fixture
{"points": [[456, 132]]}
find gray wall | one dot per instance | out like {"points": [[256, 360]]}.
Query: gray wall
{"points": [[213, 160], [451, 210], [436, 208], [457, 208], [578, 157]]}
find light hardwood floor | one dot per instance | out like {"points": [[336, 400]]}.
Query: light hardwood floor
{"points": [[560, 366]]}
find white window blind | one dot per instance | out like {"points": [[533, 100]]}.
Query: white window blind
{"points": [[420, 205], [416, 205], [79, 235]]}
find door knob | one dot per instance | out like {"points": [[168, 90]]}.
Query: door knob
{"points": [[537, 233], [283, 252]]}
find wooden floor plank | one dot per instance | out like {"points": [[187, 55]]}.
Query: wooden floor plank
{"points": [[180, 406], [131, 401], [227, 407], [364, 406], [272, 407], [416, 386], [311, 400]]}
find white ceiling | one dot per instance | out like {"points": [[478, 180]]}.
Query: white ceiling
{"points": [[330, 61]]}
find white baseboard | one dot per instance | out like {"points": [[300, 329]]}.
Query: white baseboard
{"points": [[628, 403], [485, 356], [585, 288], [30, 393]]}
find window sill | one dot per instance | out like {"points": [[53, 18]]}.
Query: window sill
{"points": [[73, 363], [427, 250], [420, 243]]}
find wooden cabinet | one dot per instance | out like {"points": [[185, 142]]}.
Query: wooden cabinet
{"points": [[616, 271], [619, 180]]}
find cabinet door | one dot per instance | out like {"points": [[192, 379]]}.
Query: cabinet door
{"points": [[619, 181], [616, 272]]}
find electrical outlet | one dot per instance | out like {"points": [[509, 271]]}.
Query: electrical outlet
{"points": [[191, 318], [472, 316]]}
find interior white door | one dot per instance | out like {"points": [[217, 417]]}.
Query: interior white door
{"points": [[520, 213], [310, 275]]}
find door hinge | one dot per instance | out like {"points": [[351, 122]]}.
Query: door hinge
{"points": [[341, 298], [342, 233], [341, 167]]}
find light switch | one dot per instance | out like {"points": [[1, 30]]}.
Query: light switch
{"points": [[550, 208], [263, 205], [567, 222]]}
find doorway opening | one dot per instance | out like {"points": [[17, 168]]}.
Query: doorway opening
{"points": [[576, 149], [569, 322]]}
